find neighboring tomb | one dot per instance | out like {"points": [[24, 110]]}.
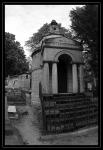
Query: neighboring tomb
{"points": [[19, 81]]}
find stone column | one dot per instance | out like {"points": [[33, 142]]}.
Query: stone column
{"points": [[46, 78], [81, 78], [75, 79], [54, 78]]}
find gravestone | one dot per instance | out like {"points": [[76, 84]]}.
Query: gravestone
{"points": [[8, 126], [6, 109]]}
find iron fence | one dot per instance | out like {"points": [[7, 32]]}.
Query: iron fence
{"points": [[68, 112], [15, 96]]}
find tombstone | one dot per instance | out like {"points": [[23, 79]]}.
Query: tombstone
{"points": [[8, 126], [6, 109]]}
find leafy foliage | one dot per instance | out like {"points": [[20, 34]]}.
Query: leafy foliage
{"points": [[43, 31], [15, 60], [36, 38], [85, 29]]}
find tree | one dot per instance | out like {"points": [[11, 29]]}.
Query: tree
{"points": [[15, 60], [29, 60], [43, 31], [85, 29]]}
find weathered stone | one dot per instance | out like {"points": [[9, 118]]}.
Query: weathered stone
{"points": [[54, 50]]}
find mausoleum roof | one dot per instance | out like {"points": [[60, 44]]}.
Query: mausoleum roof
{"points": [[54, 37]]}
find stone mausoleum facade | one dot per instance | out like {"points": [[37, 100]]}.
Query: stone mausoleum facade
{"points": [[57, 64]]}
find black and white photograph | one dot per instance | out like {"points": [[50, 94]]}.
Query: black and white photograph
{"points": [[51, 74]]}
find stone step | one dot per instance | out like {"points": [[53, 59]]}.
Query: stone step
{"points": [[62, 97], [71, 106], [70, 126], [71, 112]]}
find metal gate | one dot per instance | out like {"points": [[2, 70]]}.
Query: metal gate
{"points": [[68, 112], [16, 97]]}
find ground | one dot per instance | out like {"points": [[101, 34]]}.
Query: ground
{"points": [[28, 132], [29, 128], [12, 135], [12, 140]]}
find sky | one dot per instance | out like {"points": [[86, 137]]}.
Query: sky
{"points": [[24, 20]]}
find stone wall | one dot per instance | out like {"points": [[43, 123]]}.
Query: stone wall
{"points": [[19, 82], [36, 61], [51, 53], [36, 78]]}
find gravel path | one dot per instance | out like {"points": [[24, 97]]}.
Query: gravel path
{"points": [[29, 129]]}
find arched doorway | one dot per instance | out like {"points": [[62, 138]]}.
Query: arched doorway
{"points": [[64, 74]]}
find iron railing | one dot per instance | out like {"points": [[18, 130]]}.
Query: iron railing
{"points": [[68, 112], [16, 96]]}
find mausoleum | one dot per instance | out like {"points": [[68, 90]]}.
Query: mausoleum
{"points": [[57, 65]]}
